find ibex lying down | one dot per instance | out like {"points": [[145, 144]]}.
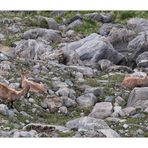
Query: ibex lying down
{"points": [[131, 81], [10, 95], [34, 87]]}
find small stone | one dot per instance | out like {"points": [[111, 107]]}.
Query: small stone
{"points": [[146, 110], [4, 110], [125, 126], [31, 100], [63, 110], [140, 131], [109, 98], [120, 101]]}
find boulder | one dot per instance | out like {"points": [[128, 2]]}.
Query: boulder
{"points": [[32, 49], [119, 38], [107, 27], [68, 102], [94, 48], [86, 100], [66, 92], [142, 59], [46, 22], [44, 34], [138, 98], [91, 127], [102, 110], [4, 110], [76, 23], [101, 17], [138, 24]]}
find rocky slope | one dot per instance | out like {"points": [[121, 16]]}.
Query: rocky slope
{"points": [[82, 58]]}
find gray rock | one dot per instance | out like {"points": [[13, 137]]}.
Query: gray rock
{"points": [[4, 110], [70, 33], [138, 98], [3, 57], [86, 100], [46, 22], [146, 110], [15, 85], [68, 102], [91, 127], [138, 42], [103, 17], [2, 37], [138, 24], [115, 120], [109, 133], [63, 110], [5, 65], [101, 110], [109, 98], [53, 103], [119, 38], [76, 23], [120, 101], [118, 112], [32, 49], [86, 71], [87, 123], [28, 134], [104, 64], [97, 91], [45, 34], [94, 48], [106, 28], [66, 92], [125, 126], [142, 59], [129, 111]]}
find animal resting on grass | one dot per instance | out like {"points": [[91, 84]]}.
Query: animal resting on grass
{"points": [[131, 82]]}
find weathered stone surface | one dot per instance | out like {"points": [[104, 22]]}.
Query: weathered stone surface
{"points": [[142, 59], [97, 91], [120, 101], [66, 92], [87, 123], [45, 34], [53, 103], [129, 111], [94, 48], [76, 23], [101, 110], [86, 100], [32, 49], [138, 98], [104, 64], [103, 17], [119, 37], [106, 28], [68, 102], [91, 127], [4, 110], [46, 22], [138, 24]]}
